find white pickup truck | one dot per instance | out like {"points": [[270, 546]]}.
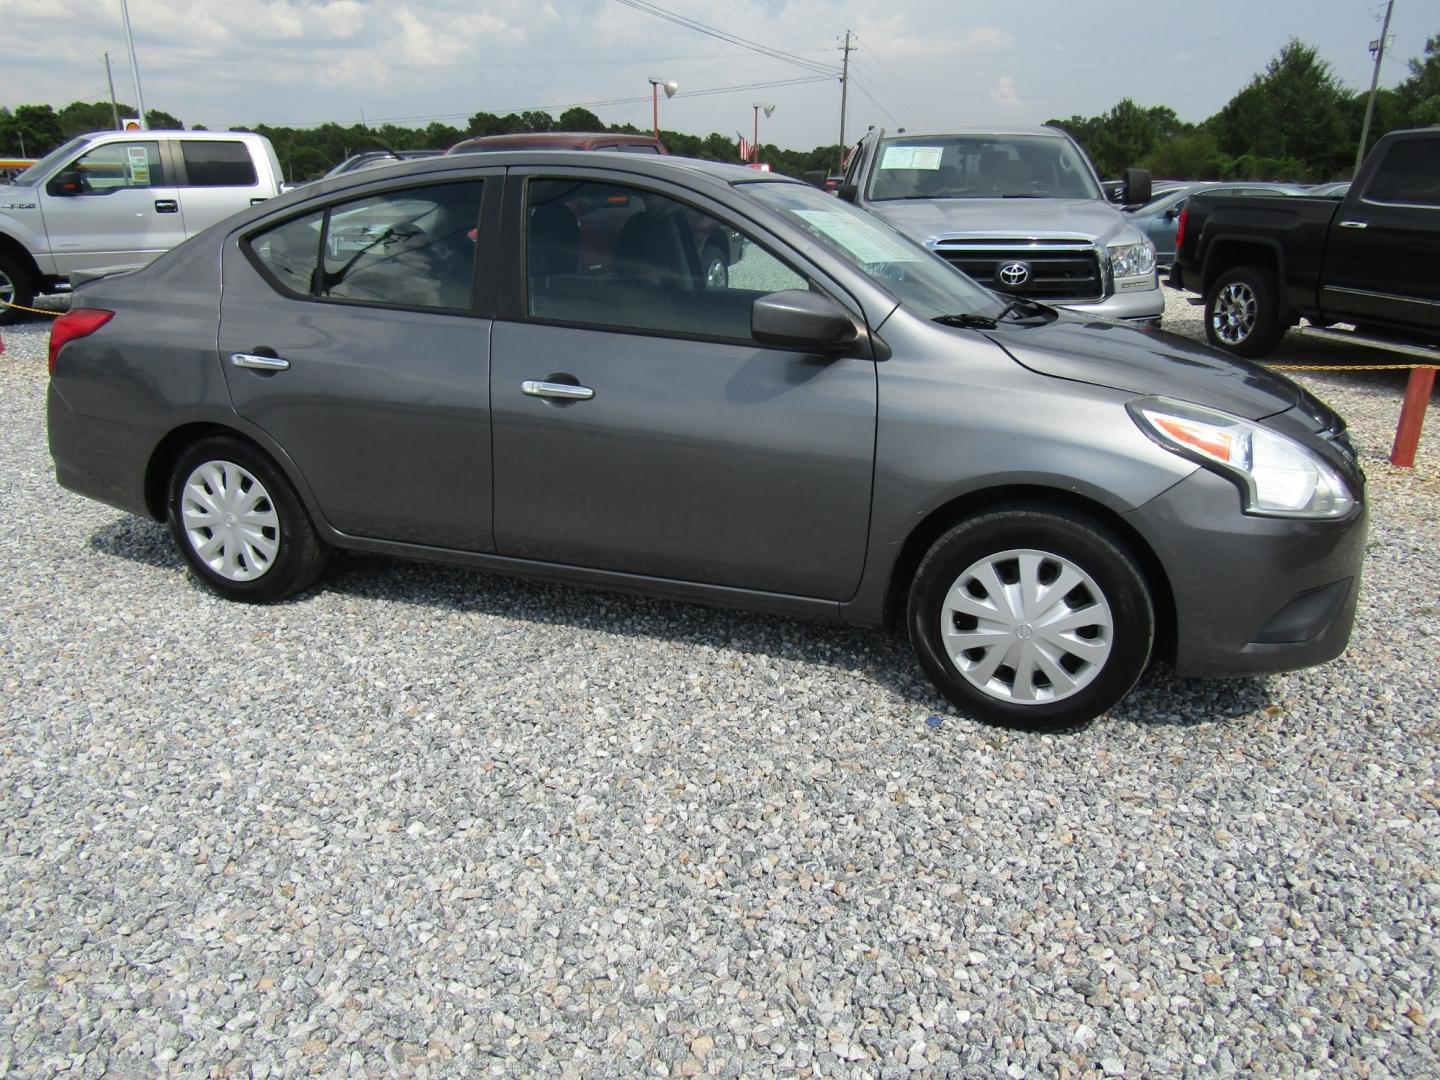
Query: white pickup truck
{"points": [[120, 198]]}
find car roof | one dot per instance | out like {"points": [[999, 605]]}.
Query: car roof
{"points": [[575, 139], [968, 129]]}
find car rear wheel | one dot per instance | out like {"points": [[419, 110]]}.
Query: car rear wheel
{"points": [[1242, 311], [717, 273], [239, 523], [1031, 617], [16, 287]]}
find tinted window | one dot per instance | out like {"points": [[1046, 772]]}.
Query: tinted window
{"points": [[291, 252], [412, 248], [120, 165], [608, 255], [636, 148], [222, 163], [1410, 173]]}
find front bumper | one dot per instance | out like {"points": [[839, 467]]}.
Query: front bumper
{"points": [[1139, 305], [1252, 594]]}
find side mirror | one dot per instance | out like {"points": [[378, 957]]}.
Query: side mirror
{"points": [[66, 183], [848, 192], [815, 177], [1137, 187], [1172, 213], [802, 319]]}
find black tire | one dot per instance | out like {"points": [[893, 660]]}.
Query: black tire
{"points": [[1102, 663], [278, 556], [17, 286], [717, 270], [1242, 311]]}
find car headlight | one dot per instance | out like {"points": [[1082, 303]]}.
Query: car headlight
{"points": [[1132, 260], [1277, 475]]}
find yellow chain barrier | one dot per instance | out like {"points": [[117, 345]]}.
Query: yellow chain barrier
{"points": [[32, 310], [1350, 367]]}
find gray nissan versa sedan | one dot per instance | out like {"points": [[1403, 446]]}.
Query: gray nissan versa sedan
{"points": [[515, 361]]}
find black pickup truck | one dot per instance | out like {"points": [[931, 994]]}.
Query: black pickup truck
{"points": [[1371, 260]]}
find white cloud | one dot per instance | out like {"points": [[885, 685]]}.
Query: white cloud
{"points": [[1003, 93]]}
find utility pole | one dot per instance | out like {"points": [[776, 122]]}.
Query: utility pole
{"points": [[847, 48], [1379, 51], [110, 79], [134, 67]]}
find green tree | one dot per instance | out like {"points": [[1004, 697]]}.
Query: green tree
{"points": [[80, 117], [162, 120], [1124, 136], [579, 119], [1295, 112], [1419, 95], [1191, 155], [34, 130]]}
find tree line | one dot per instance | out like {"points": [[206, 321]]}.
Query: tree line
{"points": [[1293, 121]]}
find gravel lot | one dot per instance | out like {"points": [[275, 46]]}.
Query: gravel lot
{"points": [[428, 822]]}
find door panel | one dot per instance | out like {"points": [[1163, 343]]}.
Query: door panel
{"points": [[1380, 259], [699, 461]]}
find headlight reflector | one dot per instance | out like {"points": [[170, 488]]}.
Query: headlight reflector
{"points": [[1132, 260], [1278, 475]]}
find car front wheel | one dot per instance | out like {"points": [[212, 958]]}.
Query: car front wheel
{"points": [[16, 288], [239, 523], [1031, 617]]}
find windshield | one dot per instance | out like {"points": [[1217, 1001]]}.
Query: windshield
{"points": [[33, 174], [981, 167], [921, 280]]}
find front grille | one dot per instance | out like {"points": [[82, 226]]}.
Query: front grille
{"points": [[1065, 270]]}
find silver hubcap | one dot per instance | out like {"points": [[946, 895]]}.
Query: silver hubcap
{"points": [[716, 275], [1027, 627], [7, 288], [230, 521], [1234, 315]]}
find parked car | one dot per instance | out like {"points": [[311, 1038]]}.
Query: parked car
{"points": [[1367, 259], [120, 198], [1018, 210], [429, 365], [1157, 219], [371, 159], [561, 140]]}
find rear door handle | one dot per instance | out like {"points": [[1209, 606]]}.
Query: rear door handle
{"points": [[565, 391], [167, 206], [1354, 224], [259, 363]]}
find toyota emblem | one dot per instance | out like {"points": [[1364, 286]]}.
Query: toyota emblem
{"points": [[1014, 274]]}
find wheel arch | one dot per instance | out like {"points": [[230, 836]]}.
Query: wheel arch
{"points": [[16, 250], [1227, 253], [1033, 497]]}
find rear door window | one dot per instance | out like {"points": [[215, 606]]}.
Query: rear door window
{"points": [[1409, 174], [218, 163]]}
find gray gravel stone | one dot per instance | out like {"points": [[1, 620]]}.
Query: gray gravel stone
{"points": [[429, 822]]}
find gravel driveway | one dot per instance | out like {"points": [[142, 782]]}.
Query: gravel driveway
{"points": [[428, 822]]}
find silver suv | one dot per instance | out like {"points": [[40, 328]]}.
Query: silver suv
{"points": [[1020, 210]]}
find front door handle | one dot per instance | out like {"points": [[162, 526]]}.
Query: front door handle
{"points": [[167, 206], [564, 391], [1354, 224], [259, 363]]}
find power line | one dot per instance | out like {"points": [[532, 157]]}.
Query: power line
{"points": [[732, 39]]}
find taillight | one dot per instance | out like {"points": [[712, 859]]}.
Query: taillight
{"points": [[75, 323], [1180, 227]]}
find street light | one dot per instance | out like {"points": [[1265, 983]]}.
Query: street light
{"points": [[769, 112], [655, 84]]}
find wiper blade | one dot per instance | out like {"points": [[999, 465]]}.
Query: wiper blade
{"points": [[966, 322]]}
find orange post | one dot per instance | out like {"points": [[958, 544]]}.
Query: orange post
{"points": [[1412, 416]]}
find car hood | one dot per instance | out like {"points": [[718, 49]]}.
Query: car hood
{"points": [[1151, 362], [1080, 219]]}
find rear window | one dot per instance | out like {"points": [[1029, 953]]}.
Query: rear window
{"points": [[221, 163], [1410, 174]]}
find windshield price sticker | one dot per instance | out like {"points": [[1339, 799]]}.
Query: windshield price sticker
{"points": [[138, 160], [912, 157], [868, 243]]}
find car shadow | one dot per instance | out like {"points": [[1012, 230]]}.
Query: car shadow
{"points": [[882, 656]]}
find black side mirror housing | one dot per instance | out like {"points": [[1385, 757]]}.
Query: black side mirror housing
{"points": [[848, 192], [1137, 187], [802, 319]]}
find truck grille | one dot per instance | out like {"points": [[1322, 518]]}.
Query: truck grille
{"points": [[1066, 270]]}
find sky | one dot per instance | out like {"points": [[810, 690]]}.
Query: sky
{"points": [[917, 64]]}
